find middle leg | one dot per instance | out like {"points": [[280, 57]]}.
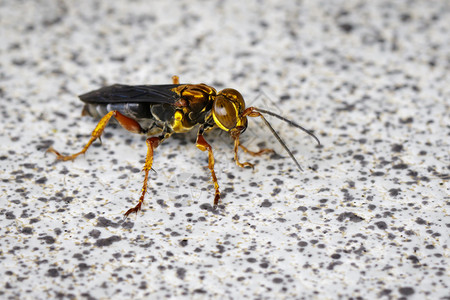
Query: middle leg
{"points": [[203, 145]]}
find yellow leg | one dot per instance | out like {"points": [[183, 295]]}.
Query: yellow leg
{"points": [[152, 143], [203, 145], [127, 123], [258, 153], [236, 158]]}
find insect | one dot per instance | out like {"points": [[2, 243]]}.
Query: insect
{"points": [[158, 111]]}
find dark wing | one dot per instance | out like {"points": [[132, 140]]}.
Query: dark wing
{"points": [[120, 93]]}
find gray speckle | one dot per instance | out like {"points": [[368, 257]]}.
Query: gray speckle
{"points": [[181, 273], [381, 225], [406, 291], [350, 216], [107, 241]]}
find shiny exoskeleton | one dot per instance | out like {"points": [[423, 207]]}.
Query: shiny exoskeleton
{"points": [[161, 110]]}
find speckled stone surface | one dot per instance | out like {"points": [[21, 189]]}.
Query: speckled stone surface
{"points": [[368, 218]]}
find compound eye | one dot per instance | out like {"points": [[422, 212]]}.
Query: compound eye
{"points": [[224, 113], [235, 97]]}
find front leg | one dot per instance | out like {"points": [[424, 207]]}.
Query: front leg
{"points": [[203, 145], [235, 136], [255, 153]]}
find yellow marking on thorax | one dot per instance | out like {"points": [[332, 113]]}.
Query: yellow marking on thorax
{"points": [[180, 123]]}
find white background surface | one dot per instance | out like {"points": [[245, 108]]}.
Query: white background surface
{"points": [[368, 218]]}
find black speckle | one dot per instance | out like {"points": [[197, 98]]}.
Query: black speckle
{"points": [[53, 272], [79, 256], [266, 203], [397, 148], [409, 232], [221, 248], [276, 191], [421, 221], [10, 215], [406, 291], [118, 58], [95, 233], [302, 244], [89, 216], [408, 120], [52, 21], [127, 225], [346, 27], [334, 264], [381, 225], [302, 208], [206, 206], [264, 265], [230, 176], [378, 173], [67, 199], [347, 107], [405, 17], [358, 157], [41, 180], [384, 292], [181, 273], [278, 181], [103, 222], [162, 203], [400, 166], [284, 97], [143, 285], [83, 266], [351, 216], [413, 259], [394, 192], [27, 230], [277, 280], [107, 241], [48, 239], [335, 256], [183, 243], [413, 174]]}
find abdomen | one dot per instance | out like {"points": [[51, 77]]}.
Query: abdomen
{"points": [[140, 112]]}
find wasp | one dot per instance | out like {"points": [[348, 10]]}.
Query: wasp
{"points": [[159, 111]]}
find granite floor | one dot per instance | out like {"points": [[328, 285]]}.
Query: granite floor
{"points": [[368, 218]]}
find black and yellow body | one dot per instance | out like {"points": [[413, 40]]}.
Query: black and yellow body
{"points": [[158, 111], [172, 107]]}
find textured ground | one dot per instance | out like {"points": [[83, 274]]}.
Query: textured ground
{"points": [[368, 217]]}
